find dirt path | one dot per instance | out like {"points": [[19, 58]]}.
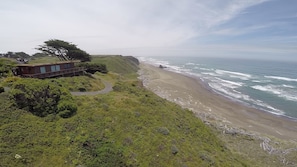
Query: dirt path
{"points": [[107, 89]]}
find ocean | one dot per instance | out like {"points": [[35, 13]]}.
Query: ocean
{"points": [[266, 85]]}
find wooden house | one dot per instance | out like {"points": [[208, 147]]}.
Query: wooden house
{"points": [[49, 70]]}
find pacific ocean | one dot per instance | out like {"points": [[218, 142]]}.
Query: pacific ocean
{"points": [[267, 85]]}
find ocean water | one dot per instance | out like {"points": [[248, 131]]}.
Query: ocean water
{"points": [[266, 85]]}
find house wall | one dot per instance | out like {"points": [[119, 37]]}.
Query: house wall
{"points": [[67, 66], [37, 70], [27, 70], [48, 68]]}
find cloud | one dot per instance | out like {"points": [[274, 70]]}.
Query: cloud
{"points": [[139, 27], [235, 31], [115, 25]]}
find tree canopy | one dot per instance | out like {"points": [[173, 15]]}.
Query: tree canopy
{"points": [[16, 55], [6, 66], [64, 50]]}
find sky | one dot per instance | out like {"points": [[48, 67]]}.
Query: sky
{"points": [[264, 29]]}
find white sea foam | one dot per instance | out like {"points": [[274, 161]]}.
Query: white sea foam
{"points": [[206, 69], [222, 82], [268, 107], [288, 94], [288, 86], [261, 81], [260, 104], [236, 95], [240, 77], [178, 69], [233, 73], [281, 78], [238, 84], [256, 81], [222, 89], [210, 73], [153, 61], [265, 89]]}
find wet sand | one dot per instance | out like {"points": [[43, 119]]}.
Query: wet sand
{"points": [[214, 108]]}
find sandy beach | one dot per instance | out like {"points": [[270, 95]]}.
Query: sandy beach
{"points": [[213, 108]]}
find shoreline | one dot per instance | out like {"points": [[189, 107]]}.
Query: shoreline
{"points": [[213, 108], [238, 101]]}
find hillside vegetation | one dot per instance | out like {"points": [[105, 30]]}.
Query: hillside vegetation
{"points": [[6, 66], [118, 64], [129, 126]]}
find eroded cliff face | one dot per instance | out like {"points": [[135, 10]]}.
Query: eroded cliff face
{"points": [[133, 59]]}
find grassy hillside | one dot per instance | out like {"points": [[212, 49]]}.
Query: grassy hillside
{"points": [[129, 126], [117, 64]]}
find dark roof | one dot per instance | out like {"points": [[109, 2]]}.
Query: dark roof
{"points": [[42, 64]]}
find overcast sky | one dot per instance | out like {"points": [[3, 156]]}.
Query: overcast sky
{"points": [[230, 28]]}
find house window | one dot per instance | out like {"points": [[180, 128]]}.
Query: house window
{"points": [[42, 69], [53, 68], [57, 67], [66, 66]]}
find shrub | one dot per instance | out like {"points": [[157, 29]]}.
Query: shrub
{"points": [[94, 67], [81, 89], [1, 89], [163, 130], [6, 67], [130, 87], [105, 106], [41, 97], [10, 80], [66, 108], [104, 153], [174, 150]]}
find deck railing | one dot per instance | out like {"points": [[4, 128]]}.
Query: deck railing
{"points": [[55, 73]]}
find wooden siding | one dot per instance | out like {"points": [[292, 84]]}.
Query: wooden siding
{"points": [[49, 70], [65, 72]]}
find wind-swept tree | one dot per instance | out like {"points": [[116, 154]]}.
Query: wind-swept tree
{"points": [[64, 50]]}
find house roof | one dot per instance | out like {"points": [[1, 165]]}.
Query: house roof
{"points": [[43, 64]]}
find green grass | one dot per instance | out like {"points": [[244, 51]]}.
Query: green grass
{"points": [[6, 66], [45, 59], [125, 123], [129, 126], [117, 64], [80, 83]]}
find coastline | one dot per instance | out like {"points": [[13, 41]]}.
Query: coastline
{"points": [[214, 108]]}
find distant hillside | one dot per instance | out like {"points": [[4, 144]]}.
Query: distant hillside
{"points": [[118, 64], [16, 55]]}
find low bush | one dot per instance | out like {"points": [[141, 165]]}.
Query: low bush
{"points": [[1, 89], [174, 150], [82, 89], [94, 67], [104, 153], [8, 81], [42, 97], [66, 108], [6, 67], [163, 130]]}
